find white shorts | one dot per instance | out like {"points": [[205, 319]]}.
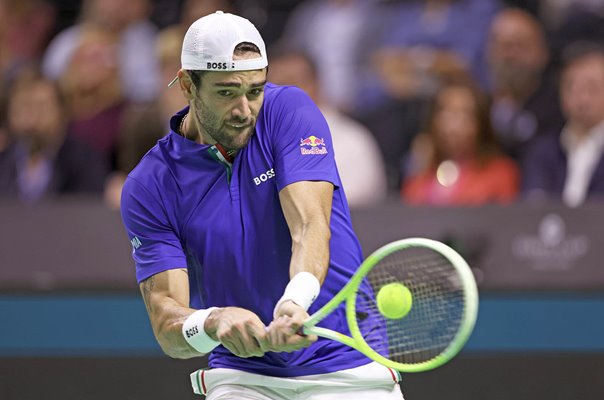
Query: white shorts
{"points": [[372, 381]]}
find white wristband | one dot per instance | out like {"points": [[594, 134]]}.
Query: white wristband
{"points": [[194, 333], [302, 289]]}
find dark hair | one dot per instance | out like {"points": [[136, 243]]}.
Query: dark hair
{"points": [[240, 49], [579, 50], [26, 76], [487, 144]]}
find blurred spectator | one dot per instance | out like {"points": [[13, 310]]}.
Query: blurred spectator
{"points": [[25, 26], [93, 92], [571, 165], [128, 20], [557, 13], [573, 21], [42, 160], [422, 44], [525, 99], [457, 161], [331, 32], [25, 29], [143, 124], [357, 154], [424, 40]]}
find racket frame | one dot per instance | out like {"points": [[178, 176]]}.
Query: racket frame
{"points": [[348, 294]]}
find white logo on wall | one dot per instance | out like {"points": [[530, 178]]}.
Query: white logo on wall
{"points": [[552, 248]]}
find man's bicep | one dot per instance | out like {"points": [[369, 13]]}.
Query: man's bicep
{"points": [[171, 285]]}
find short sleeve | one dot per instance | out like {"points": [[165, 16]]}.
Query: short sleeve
{"points": [[302, 145], [155, 244]]}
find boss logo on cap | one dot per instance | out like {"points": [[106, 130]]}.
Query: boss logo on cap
{"points": [[218, 65]]}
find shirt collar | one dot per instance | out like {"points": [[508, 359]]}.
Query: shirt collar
{"points": [[176, 118], [570, 139]]}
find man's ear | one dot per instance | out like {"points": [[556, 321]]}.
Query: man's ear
{"points": [[186, 84]]}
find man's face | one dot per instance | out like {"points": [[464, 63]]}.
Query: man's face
{"points": [[95, 62], [516, 51], [582, 91], [35, 113], [455, 122], [117, 14], [227, 104]]}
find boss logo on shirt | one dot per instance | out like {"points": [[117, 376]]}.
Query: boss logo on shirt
{"points": [[312, 145], [264, 177]]}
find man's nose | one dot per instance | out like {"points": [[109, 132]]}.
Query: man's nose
{"points": [[242, 108]]}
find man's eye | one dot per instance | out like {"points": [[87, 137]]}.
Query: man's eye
{"points": [[256, 92], [225, 93]]}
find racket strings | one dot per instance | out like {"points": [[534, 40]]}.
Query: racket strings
{"points": [[437, 308]]}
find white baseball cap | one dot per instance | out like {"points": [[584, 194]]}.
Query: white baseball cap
{"points": [[210, 41]]}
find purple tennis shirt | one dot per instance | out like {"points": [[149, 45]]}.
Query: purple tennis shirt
{"points": [[186, 206]]}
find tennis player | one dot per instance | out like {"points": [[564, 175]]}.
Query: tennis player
{"points": [[240, 229]]}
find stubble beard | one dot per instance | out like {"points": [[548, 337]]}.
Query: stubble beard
{"points": [[519, 80], [217, 131]]}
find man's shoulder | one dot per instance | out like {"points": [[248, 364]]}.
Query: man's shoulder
{"points": [[545, 152], [276, 95], [286, 103], [153, 166]]}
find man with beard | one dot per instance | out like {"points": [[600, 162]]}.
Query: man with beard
{"points": [[525, 101], [41, 160], [240, 229]]}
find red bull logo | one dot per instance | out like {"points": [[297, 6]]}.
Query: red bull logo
{"points": [[312, 141], [317, 145]]}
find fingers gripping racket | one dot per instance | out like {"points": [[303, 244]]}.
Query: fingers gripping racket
{"points": [[410, 306]]}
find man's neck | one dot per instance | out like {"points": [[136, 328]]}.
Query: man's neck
{"points": [[582, 131], [189, 128]]}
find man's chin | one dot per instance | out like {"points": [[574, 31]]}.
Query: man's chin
{"points": [[240, 141]]}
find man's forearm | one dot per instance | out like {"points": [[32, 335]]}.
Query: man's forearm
{"points": [[167, 317], [310, 249], [307, 209], [167, 326]]}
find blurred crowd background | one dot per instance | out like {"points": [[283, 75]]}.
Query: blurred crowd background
{"points": [[438, 102], [430, 102]]}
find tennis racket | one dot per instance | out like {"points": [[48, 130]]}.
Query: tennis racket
{"points": [[440, 320]]}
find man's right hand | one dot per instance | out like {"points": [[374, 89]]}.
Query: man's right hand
{"points": [[283, 334], [239, 330]]}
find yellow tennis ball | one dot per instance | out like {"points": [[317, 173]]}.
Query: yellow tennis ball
{"points": [[394, 300]]}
